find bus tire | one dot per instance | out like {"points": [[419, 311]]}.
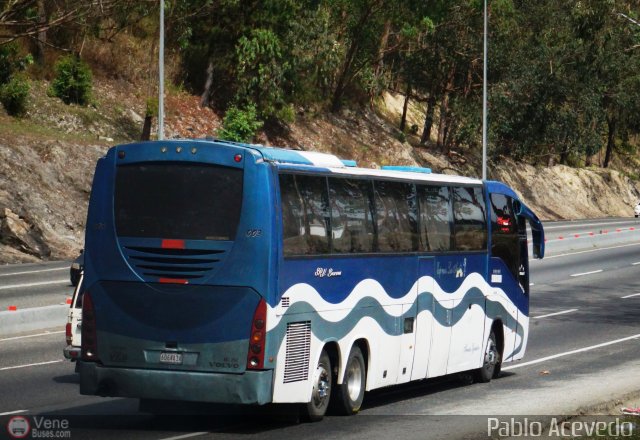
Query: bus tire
{"points": [[349, 394], [492, 361], [322, 381]]}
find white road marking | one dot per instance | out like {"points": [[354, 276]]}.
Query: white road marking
{"points": [[31, 336], [586, 252], [567, 353], [178, 437], [585, 273], [589, 225], [13, 412], [554, 314], [33, 271], [31, 365], [636, 263], [44, 283], [629, 296]]}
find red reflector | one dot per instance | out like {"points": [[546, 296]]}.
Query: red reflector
{"points": [[172, 244], [237, 157], [68, 334], [13, 308], [173, 281]]}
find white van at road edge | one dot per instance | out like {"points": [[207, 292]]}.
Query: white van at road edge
{"points": [[73, 328]]}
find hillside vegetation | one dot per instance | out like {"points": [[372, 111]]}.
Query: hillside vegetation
{"points": [[378, 81]]}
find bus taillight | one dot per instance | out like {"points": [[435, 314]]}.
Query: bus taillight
{"points": [[89, 334], [255, 358]]}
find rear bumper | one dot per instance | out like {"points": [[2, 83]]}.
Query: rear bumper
{"points": [[71, 352], [251, 387]]}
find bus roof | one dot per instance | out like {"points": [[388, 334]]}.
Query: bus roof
{"points": [[315, 161]]}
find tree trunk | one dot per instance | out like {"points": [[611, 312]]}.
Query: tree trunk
{"points": [[588, 160], [146, 128], [42, 34], [428, 120], [611, 138], [205, 98], [384, 40], [564, 156], [345, 72], [444, 110], [405, 108], [341, 86]]}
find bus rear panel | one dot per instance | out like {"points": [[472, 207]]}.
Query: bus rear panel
{"points": [[178, 263]]}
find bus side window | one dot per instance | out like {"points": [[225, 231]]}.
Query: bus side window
{"points": [[435, 218], [396, 218], [470, 227], [504, 232], [351, 215], [305, 214]]}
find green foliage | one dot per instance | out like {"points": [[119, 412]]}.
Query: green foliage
{"points": [[261, 71], [240, 125], [12, 62], [564, 77], [14, 87], [286, 114], [73, 81], [14, 94], [151, 108]]}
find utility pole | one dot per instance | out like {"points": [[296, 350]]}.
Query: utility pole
{"points": [[161, 75], [484, 98]]}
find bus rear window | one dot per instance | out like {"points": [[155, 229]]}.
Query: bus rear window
{"points": [[178, 200]]}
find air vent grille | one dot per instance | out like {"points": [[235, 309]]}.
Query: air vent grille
{"points": [[180, 264], [298, 349]]}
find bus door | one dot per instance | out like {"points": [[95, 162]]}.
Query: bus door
{"points": [[523, 281], [407, 343], [468, 321], [408, 327], [424, 318]]}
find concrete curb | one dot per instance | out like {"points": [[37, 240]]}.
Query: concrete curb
{"points": [[33, 318]]}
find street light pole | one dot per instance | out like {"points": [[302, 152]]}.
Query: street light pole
{"points": [[161, 76], [484, 98]]}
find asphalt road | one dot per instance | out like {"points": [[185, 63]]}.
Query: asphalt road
{"points": [[584, 348], [34, 285]]}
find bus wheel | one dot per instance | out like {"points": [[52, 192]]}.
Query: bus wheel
{"points": [[317, 406], [492, 362], [350, 394]]}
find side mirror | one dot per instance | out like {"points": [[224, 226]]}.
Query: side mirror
{"points": [[517, 207]]}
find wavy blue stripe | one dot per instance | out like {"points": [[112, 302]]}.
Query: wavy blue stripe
{"points": [[392, 325]]}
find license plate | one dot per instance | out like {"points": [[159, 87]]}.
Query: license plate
{"points": [[171, 358]]}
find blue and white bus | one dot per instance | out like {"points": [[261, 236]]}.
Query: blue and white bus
{"points": [[225, 272]]}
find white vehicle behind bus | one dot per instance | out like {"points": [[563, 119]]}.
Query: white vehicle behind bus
{"points": [[73, 329]]}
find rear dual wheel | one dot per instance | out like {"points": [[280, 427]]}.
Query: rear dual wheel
{"points": [[321, 392], [350, 393], [346, 398]]}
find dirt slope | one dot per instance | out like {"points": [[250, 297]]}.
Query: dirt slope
{"points": [[47, 162]]}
